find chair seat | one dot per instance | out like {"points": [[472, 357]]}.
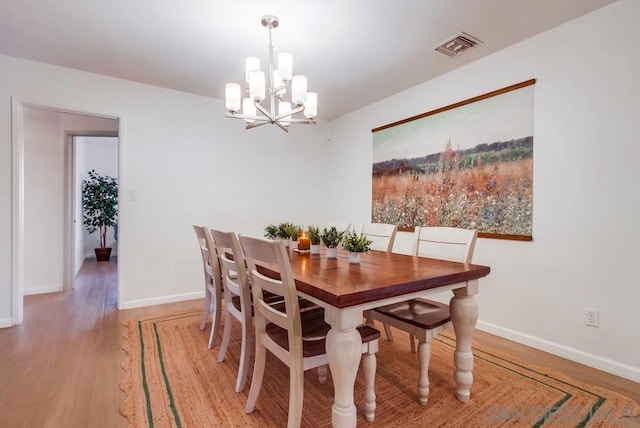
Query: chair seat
{"points": [[421, 313], [314, 332], [277, 302]]}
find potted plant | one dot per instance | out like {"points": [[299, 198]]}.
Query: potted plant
{"points": [[331, 238], [100, 206], [314, 237], [355, 244], [271, 231]]}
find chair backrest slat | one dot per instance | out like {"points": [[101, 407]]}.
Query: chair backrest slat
{"points": [[446, 243], [234, 271], [209, 254], [383, 235]]}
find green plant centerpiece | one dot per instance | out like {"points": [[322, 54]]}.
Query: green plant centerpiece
{"points": [[355, 244], [100, 206], [293, 231], [331, 238], [284, 230], [314, 238], [271, 231]]}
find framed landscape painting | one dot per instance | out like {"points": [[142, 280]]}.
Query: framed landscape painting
{"points": [[466, 165]]}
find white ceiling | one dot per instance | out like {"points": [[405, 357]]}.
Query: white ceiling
{"points": [[353, 52]]}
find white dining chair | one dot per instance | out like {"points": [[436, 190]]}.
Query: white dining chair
{"points": [[382, 235], [421, 318], [297, 339], [212, 282], [237, 296]]}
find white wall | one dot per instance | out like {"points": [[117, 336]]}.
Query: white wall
{"points": [[189, 164], [45, 155], [101, 155], [585, 232]]}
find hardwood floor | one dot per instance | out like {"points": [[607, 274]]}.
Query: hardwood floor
{"points": [[61, 367]]}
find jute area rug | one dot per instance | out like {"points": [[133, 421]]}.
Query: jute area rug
{"points": [[172, 380]]}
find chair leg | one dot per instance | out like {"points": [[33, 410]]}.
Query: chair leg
{"points": [[387, 330], [258, 375], [322, 374], [369, 364], [206, 310], [369, 318], [226, 337], [216, 311], [296, 395], [412, 339], [245, 354], [424, 355]]}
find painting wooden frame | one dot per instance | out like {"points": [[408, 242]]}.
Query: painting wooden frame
{"points": [[469, 164]]}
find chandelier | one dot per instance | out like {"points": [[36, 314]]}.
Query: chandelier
{"points": [[280, 81]]}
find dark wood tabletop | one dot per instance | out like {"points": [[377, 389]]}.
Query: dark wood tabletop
{"points": [[379, 276]]}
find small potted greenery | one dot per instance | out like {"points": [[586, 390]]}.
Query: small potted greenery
{"points": [[271, 231], [331, 238], [314, 237], [355, 244], [100, 206]]}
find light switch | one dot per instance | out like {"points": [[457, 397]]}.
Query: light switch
{"points": [[134, 195]]}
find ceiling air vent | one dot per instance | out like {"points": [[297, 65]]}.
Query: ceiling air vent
{"points": [[457, 44]]}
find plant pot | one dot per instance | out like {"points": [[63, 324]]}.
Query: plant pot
{"points": [[315, 248], [293, 245], [354, 258], [332, 253], [102, 254]]}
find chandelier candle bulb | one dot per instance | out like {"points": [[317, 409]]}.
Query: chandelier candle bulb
{"points": [[256, 85], [284, 108], [232, 95], [298, 89], [248, 109], [311, 105], [251, 63], [285, 65]]}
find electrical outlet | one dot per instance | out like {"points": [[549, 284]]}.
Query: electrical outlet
{"points": [[593, 318]]}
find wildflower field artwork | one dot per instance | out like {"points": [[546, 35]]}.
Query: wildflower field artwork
{"points": [[466, 165]]}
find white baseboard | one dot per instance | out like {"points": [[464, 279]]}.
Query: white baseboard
{"points": [[6, 322], [130, 304], [595, 361], [42, 290]]}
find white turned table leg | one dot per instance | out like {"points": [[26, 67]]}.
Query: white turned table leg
{"points": [[344, 349], [464, 314]]}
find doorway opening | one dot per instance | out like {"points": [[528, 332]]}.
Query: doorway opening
{"points": [[51, 147]]}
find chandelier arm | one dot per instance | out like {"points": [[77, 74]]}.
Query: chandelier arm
{"points": [[303, 121], [284, 128], [289, 113], [255, 124], [245, 117], [264, 111]]}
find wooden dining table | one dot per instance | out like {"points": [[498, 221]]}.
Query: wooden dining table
{"points": [[346, 290]]}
